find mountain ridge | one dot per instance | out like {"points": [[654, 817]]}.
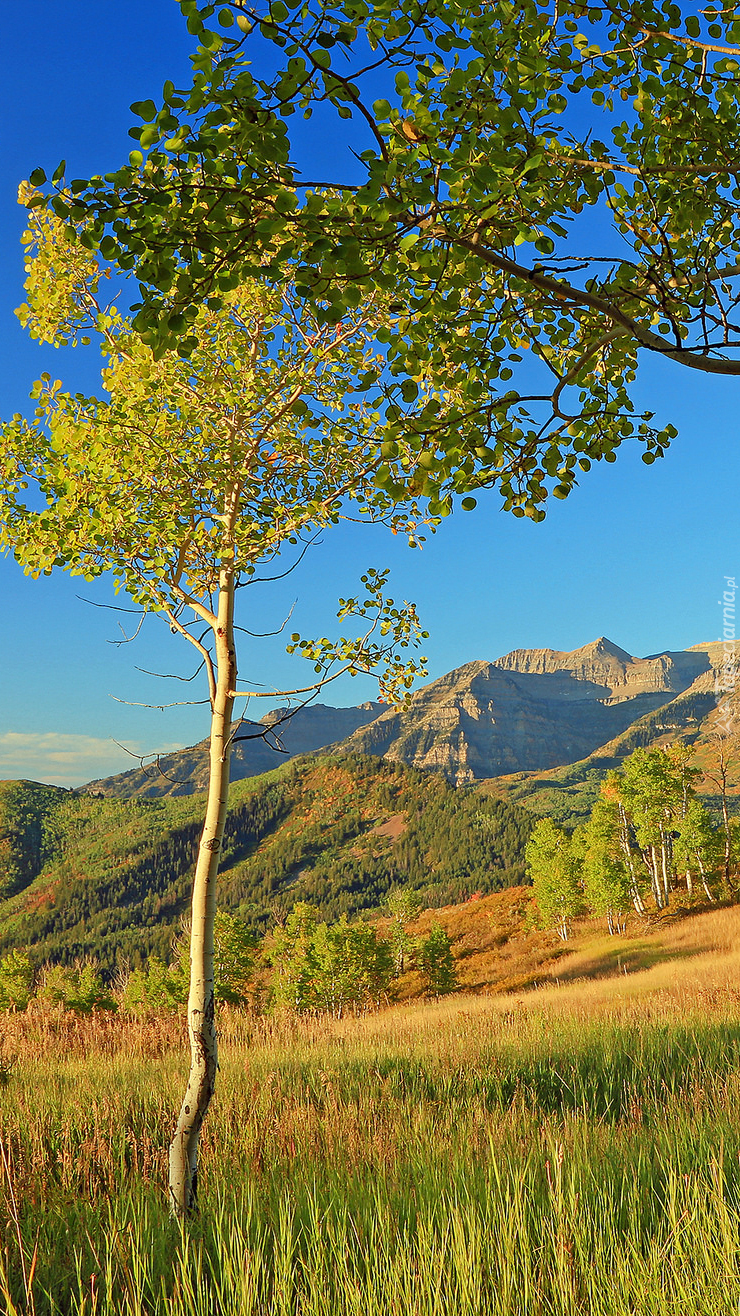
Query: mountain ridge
{"points": [[531, 710]]}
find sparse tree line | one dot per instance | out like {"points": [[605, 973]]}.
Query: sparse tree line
{"points": [[649, 836], [305, 965]]}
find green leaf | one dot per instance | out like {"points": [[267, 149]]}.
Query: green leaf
{"points": [[144, 110]]}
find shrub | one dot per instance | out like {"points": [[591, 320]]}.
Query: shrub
{"points": [[16, 980], [436, 963], [79, 988]]}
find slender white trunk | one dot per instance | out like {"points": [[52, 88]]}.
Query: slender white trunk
{"points": [[624, 837], [183, 1181], [638, 901], [728, 840], [704, 878], [664, 861], [651, 859]]}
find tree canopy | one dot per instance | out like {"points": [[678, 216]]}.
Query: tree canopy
{"points": [[547, 190]]}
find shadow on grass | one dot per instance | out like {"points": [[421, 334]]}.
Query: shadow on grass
{"points": [[623, 957], [612, 1073]]}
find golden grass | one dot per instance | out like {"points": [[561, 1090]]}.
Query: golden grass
{"points": [[504, 968], [565, 1150]]}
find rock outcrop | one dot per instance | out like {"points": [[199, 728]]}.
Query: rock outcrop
{"points": [[532, 709]]}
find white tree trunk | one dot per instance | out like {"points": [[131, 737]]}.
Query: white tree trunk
{"points": [[651, 861], [183, 1182], [664, 863], [704, 879], [624, 838]]}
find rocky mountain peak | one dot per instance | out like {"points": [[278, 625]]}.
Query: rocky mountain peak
{"points": [[530, 710], [611, 671]]}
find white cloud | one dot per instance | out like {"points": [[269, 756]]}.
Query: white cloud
{"points": [[63, 759]]}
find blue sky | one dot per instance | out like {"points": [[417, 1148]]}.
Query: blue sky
{"points": [[637, 553]]}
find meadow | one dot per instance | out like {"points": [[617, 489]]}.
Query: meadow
{"points": [[570, 1149]]}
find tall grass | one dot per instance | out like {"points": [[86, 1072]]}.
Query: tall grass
{"points": [[441, 1161]]}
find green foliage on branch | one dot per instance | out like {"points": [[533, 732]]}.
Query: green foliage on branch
{"points": [[470, 144]]}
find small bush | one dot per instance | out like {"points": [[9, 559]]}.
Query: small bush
{"points": [[79, 988], [16, 981], [436, 963]]}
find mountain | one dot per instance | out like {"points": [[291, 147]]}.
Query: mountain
{"points": [[107, 871], [115, 875], [258, 747], [609, 673], [532, 710], [566, 794]]}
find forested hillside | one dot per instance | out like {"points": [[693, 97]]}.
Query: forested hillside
{"points": [[26, 838], [112, 877]]}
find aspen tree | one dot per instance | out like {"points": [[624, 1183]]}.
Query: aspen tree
{"points": [[180, 481], [556, 879]]}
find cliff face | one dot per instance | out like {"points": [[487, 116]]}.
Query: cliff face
{"points": [[602, 670], [532, 709]]}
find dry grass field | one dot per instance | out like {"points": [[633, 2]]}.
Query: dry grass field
{"points": [[569, 1148]]}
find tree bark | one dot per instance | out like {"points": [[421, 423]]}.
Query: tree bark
{"points": [[721, 781], [664, 862], [183, 1181], [651, 858], [729, 884]]}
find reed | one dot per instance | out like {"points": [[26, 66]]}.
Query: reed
{"points": [[569, 1151]]}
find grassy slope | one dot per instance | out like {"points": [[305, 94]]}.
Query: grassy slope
{"points": [[498, 949]]}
